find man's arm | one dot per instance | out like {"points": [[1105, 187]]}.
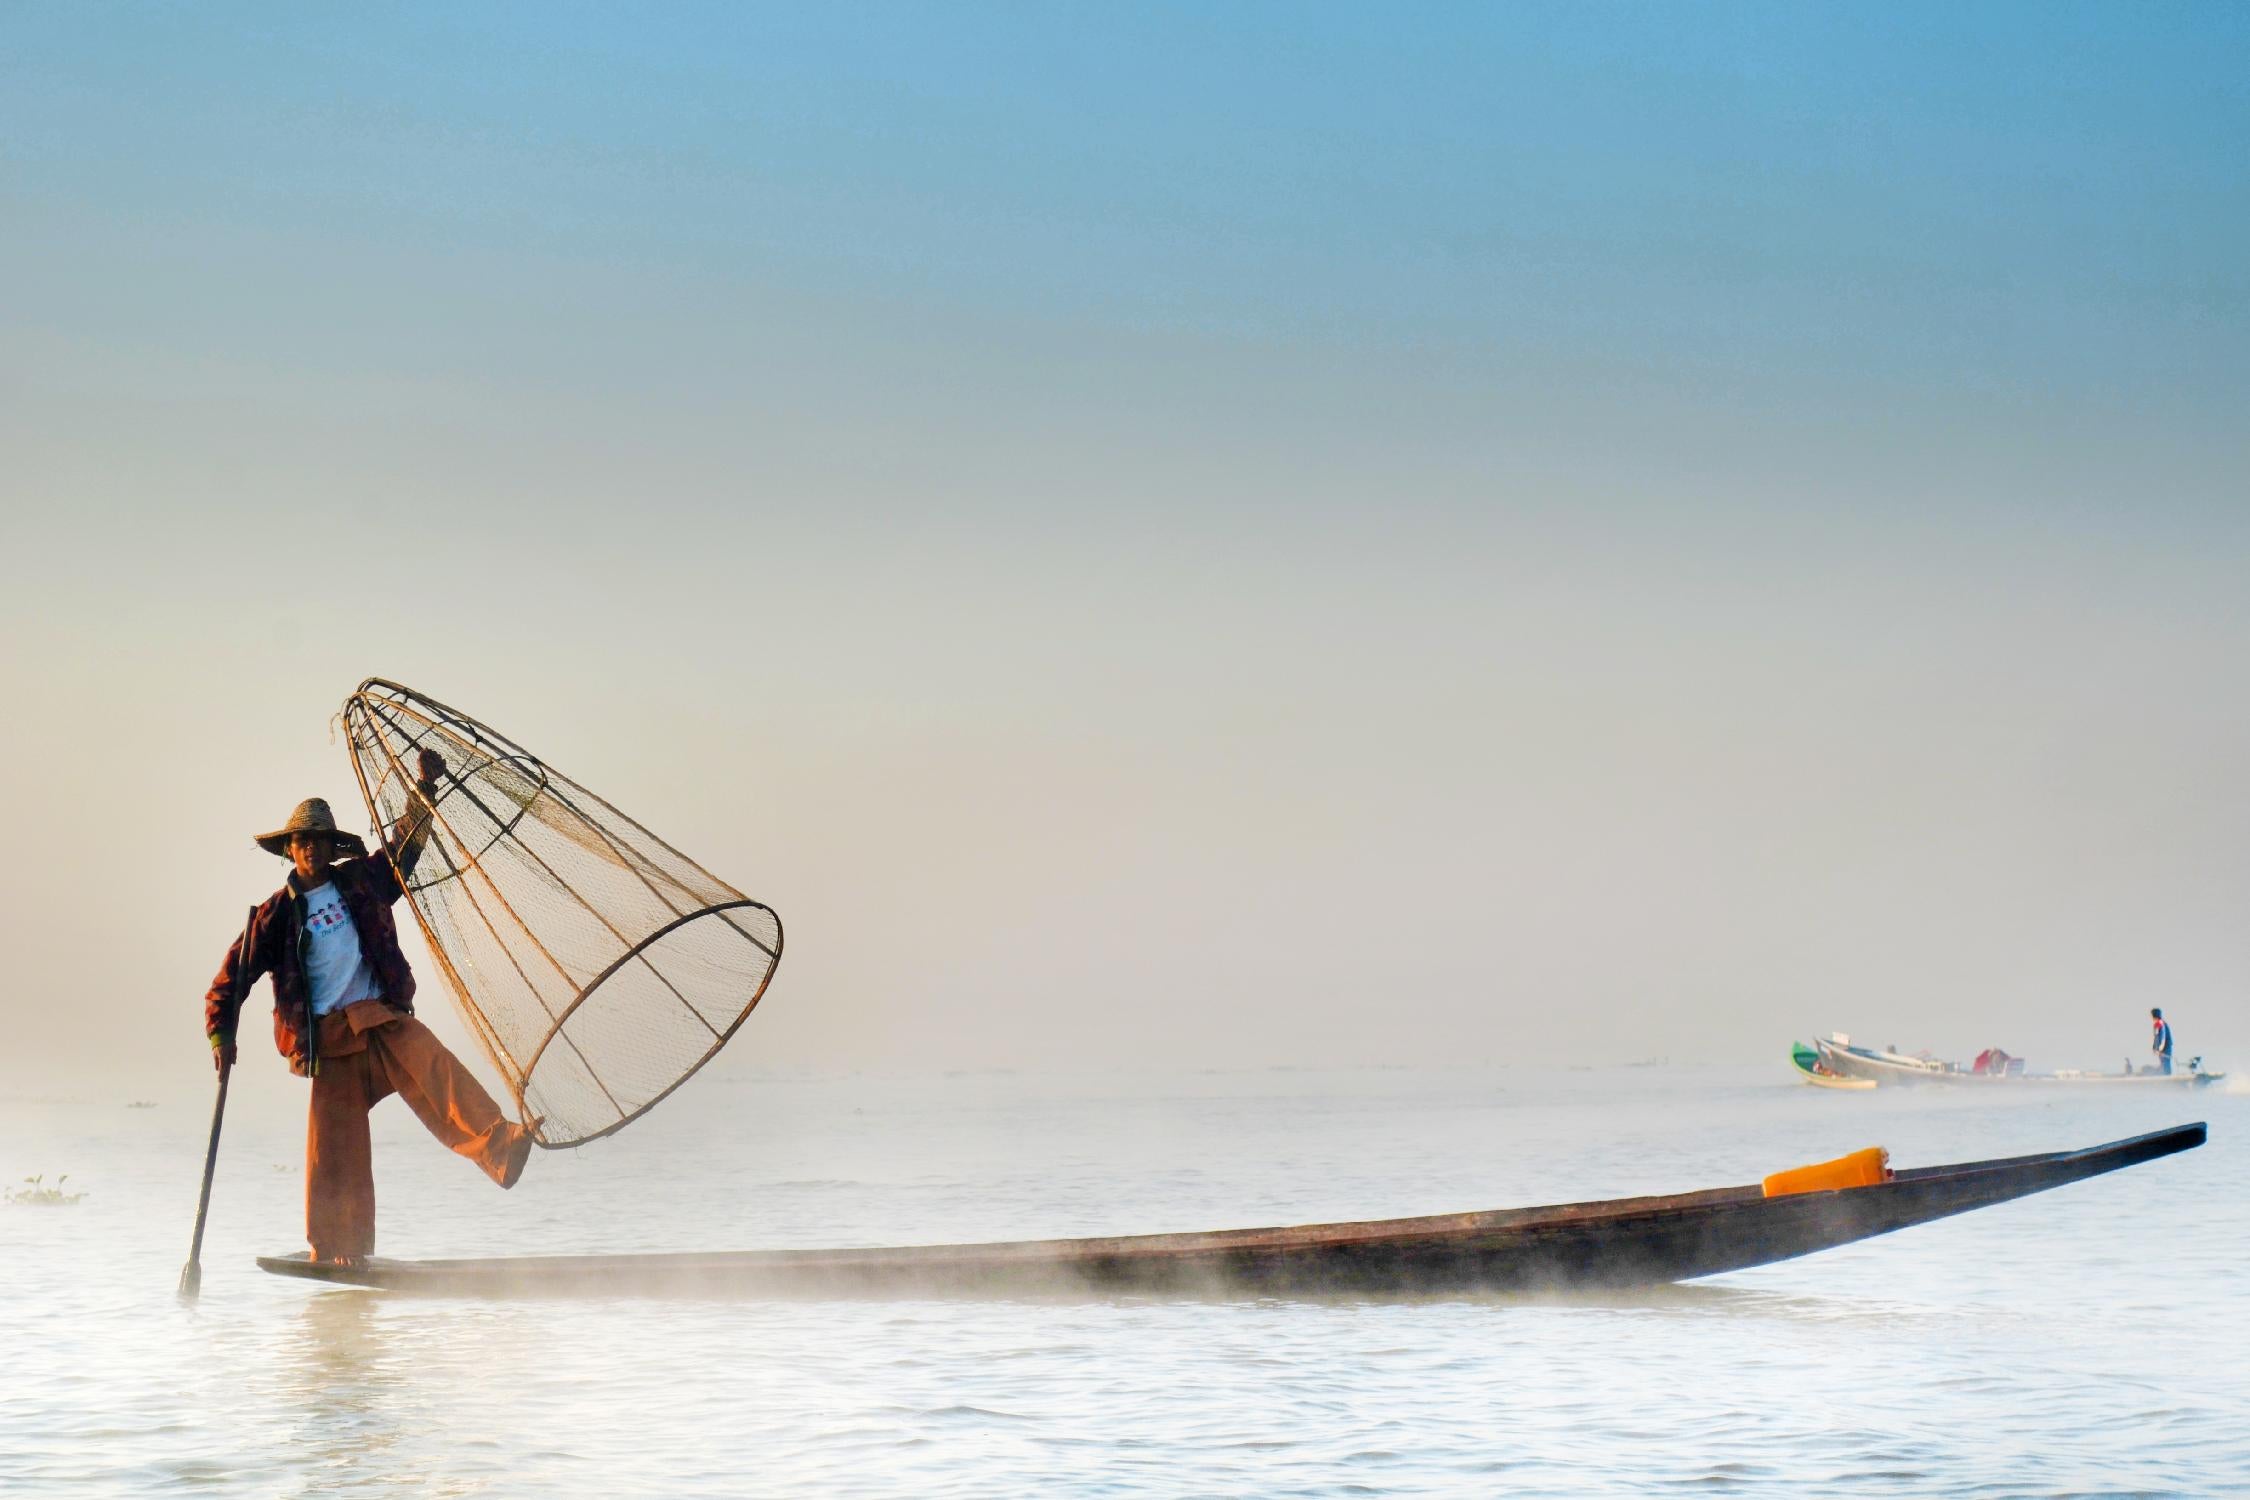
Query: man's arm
{"points": [[411, 832], [222, 1003]]}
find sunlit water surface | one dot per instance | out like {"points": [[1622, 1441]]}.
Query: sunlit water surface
{"points": [[2086, 1341]]}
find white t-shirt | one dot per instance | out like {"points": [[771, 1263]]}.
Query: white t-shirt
{"points": [[334, 966]]}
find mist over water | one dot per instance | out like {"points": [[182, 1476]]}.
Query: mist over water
{"points": [[2044, 1347], [1159, 539]]}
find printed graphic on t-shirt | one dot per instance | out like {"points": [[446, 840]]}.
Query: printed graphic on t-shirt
{"points": [[324, 920]]}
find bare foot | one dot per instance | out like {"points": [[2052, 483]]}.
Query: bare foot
{"points": [[519, 1151]]}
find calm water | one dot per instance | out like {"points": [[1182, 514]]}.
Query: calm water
{"points": [[2087, 1341]]}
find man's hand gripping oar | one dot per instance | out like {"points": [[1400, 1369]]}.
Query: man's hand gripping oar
{"points": [[191, 1274]]}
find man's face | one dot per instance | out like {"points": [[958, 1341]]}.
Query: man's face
{"points": [[312, 854]]}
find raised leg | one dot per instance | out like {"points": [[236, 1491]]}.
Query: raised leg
{"points": [[447, 1098]]}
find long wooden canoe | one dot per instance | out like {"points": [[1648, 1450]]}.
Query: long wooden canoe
{"points": [[1628, 1242]]}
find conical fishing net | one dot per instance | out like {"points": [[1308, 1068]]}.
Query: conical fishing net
{"points": [[597, 965]]}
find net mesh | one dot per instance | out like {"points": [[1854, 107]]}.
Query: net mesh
{"points": [[597, 965]]}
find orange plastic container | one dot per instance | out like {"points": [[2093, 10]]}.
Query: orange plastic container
{"points": [[1860, 1169]]}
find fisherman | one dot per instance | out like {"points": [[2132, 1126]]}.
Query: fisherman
{"points": [[343, 1015], [2160, 1040]]}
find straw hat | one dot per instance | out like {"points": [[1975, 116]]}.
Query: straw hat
{"points": [[312, 816]]}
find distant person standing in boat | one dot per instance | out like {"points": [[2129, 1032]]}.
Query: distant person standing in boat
{"points": [[2160, 1041], [343, 1002]]}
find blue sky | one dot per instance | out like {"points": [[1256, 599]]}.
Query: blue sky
{"points": [[1646, 498], [2001, 202]]}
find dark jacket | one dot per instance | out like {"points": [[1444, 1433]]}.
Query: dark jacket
{"points": [[276, 936]]}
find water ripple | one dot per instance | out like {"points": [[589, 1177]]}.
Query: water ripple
{"points": [[2021, 1352]]}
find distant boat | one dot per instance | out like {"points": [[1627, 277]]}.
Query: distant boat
{"points": [[1814, 1071], [1874, 1065], [1624, 1243]]}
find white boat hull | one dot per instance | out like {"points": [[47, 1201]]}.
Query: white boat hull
{"points": [[1892, 1068]]}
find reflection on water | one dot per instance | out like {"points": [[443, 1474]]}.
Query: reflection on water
{"points": [[2025, 1349], [352, 1407]]}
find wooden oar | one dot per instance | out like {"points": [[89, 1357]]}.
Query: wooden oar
{"points": [[191, 1274]]}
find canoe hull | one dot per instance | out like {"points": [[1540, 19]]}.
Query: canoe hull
{"points": [[1626, 1243]]}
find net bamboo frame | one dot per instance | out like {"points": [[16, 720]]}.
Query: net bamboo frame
{"points": [[597, 966]]}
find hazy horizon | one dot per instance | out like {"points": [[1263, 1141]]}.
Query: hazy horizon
{"points": [[1276, 536]]}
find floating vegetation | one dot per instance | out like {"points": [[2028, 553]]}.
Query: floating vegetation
{"points": [[35, 1192]]}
